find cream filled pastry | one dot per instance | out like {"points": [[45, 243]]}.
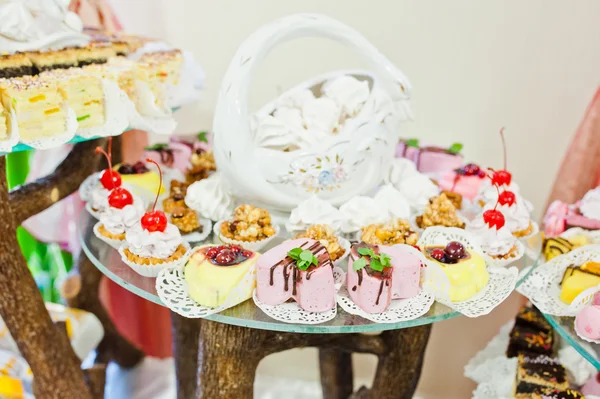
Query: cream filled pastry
{"points": [[465, 269], [361, 211], [213, 272], [378, 274], [299, 269], [314, 211]]}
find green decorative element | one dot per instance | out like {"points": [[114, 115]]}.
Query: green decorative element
{"points": [[157, 147], [14, 102], [378, 261], [412, 143], [304, 258], [202, 137], [455, 148], [83, 117]]}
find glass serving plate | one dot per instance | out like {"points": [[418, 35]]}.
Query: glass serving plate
{"points": [[564, 326], [108, 261]]}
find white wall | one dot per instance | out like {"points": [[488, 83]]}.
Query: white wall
{"points": [[475, 65]]}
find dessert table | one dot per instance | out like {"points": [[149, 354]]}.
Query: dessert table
{"points": [[228, 346]]}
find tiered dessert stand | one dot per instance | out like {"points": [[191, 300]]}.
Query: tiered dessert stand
{"points": [[564, 326]]}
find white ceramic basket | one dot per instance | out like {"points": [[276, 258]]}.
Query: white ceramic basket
{"points": [[347, 164]]}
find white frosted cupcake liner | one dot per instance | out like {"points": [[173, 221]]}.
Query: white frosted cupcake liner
{"points": [[154, 270], [542, 286], [503, 262], [88, 207], [116, 244], [173, 291], [251, 245], [535, 230], [198, 236]]}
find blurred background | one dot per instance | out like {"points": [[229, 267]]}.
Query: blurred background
{"points": [[475, 66]]}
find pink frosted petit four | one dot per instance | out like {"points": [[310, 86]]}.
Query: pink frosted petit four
{"points": [[430, 159], [466, 181], [378, 274], [587, 322], [174, 155], [281, 275]]}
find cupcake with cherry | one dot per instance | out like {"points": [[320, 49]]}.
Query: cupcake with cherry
{"points": [[122, 212], [250, 228], [495, 239], [152, 243], [516, 213]]}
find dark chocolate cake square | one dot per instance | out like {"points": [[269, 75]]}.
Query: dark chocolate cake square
{"points": [[525, 339], [549, 393], [537, 372], [532, 318]]}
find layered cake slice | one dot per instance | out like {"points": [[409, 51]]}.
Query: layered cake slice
{"points": [[578, 279], [3, 123], [48, 60], [166, 65], [298, 269], [94, 53], [466, 270], [212, 272], [123, 76], [378, 274], [37, 104], [15, 65], [83, 92], [536, 373], [525, 339]]}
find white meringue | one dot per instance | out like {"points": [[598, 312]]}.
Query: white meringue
{"points": [[290, 117], [399, 169], [348, 92], [273, 133], [589, 206], [314, 211], [209, 197], [296, 99], [321, 114], [117, 221], [414, 186], [360, 212], [156, 244], [393, 202], [495, 242], [99, 198]]}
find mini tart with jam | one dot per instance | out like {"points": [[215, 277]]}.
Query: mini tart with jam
{"points": [[212, 273], [465, 269]]}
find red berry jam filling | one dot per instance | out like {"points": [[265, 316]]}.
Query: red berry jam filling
{"points": [[136, 169], [226, 255]]}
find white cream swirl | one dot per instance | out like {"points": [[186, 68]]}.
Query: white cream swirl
{"points": [[348, 92], [416, 187], [589, 206], [117, 221], [210, 198], [393, 202], [488, 193], [156, 244], [314, 211], [516, 216], [360, 212], [495, 242], [99, 198]]}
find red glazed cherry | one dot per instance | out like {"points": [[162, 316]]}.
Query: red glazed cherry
{"points": [[482, 174], [119, 198], [454, 250], [247, 254], [235, 249], [155, 220], [109, 179], [438, 254], [507, 198], [471, 169], [225, 257], [494, 218], [212, 252]]}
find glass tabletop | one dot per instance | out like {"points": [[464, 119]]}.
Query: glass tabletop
{"points": [[247, 314], [564, 326]]}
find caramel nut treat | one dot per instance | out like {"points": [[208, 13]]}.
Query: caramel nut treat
{"points": [[455, 198], [203, 164], [396, 231], [326, 236], [440, 212], [249, 224], [171, 203], [186, 220], [178, 187]]}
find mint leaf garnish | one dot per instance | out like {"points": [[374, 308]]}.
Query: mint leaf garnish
{"points": [[365, 251], [303, 258], [295, 253], [455, 148], [376, 265], [359, 264], [202, 137], [157, 147], [412, 143]]}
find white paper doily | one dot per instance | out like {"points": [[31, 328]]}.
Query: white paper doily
{"points": [[542, 286], [59, 139], [398, 311], [115, 113], [6, 145], [116, 244], [290, 312], [174, 293], [251, 245], [154, 270], [88, 185]]}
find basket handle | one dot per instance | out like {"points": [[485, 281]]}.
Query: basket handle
{"points": [[231, 122]]}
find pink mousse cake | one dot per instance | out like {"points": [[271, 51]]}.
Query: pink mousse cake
{"points": [[430, 159], [465, 181], [373, 290], [174, 155], [279, 278], [578, 220], [588, 320]]}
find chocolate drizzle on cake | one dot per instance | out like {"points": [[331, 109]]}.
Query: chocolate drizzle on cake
{"points": [[386, 274]]}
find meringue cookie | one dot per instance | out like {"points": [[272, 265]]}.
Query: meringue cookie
{"points": [[417, 189], [348, 92], [321, 114], [117, 221], [393, 202], [495, 242], [360, 212], [399, 169], [156, 244], [314, 211], [290, 117], [273, 133], [209, 197], [297, 99], [589, 206]]}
